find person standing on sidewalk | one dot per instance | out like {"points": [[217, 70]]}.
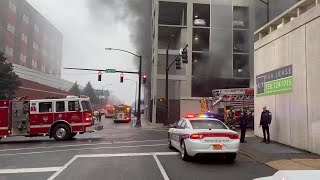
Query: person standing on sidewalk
{"points": [[243, 118], [265, 121]]}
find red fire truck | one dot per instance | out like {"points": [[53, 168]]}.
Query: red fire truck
{"points": [[61, 119], [122, 113]]}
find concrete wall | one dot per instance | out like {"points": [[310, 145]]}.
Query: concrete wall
{"points": [[296, 116], [189, 105]]}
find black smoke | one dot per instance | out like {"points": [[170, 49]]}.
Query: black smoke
{"points": [[138, 15]]}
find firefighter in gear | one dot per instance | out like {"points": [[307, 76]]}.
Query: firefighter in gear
{"points": [[204, 105], [265, 121], [231, 119], [243, 118]]}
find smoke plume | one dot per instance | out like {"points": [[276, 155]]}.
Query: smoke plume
{"points": [[137, 14]]}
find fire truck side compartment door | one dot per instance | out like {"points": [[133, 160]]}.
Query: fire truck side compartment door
{"points": [[41, 122]]}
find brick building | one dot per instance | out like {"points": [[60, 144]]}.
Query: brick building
{"points": [[34, 46]]}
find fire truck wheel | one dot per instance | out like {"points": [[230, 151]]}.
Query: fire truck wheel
{"points": [[61, 132]]}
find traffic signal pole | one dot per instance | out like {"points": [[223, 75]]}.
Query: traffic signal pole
{"points": [[138, 123], [168, 66]]}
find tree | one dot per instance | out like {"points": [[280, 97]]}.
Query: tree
{"points": [[9, 81], [89, 91], [75, 90]]}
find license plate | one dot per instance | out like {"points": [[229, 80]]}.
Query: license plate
{"points": [[217, 147]]}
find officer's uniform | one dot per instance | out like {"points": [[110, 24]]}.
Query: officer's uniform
{"points": [[243, 118], [265, 121]]}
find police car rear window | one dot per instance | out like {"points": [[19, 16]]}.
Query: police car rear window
{"points": [[207, 124]]}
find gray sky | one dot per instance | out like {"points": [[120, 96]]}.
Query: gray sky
{"points": [[85, 38]]}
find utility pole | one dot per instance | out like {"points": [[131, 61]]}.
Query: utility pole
{"points": [[166, 122], [139, 93], [183, 53], [267, 3]]}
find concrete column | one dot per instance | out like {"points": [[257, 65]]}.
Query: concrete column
{"points": [[272, 28], [285, 20], [300, 11], [261, 35], [155, 64]]}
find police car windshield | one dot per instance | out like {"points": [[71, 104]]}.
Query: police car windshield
{"points": [[86, 106], [207, 124]]}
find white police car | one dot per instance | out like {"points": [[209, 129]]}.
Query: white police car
{"points": [[196, 136]]}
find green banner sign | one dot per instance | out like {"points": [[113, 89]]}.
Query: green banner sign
{"points": [[278, 81], [110, 71]]}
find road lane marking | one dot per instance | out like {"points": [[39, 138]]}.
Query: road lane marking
{"points": [[154, 154], [63, 168], [79, 149], [128, 154], [75, 145], [29, 170], [162, 170]]}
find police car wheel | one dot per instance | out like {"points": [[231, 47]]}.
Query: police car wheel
{"points": [[183, 152], [61, 132], [230, 158]]}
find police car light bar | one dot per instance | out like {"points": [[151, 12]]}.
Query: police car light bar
{"points": [[190, 116]]}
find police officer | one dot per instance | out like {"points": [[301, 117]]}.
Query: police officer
{"points": [[243, 118], [265, 121]]}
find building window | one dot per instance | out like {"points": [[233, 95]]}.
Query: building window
{"points": [[24, 38], [35, 46], [43, 68], [10, 28], [25, 19], [36, 28], [34, 63], [9, 51], [12, 6], [23, 58], [172, 13]]}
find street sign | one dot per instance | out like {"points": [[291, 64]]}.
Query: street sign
{"points": [[110, 71]]}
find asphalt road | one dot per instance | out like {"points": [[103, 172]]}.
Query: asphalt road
{"points": [[118, 152]]}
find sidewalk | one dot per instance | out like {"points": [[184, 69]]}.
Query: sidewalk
{"points": [[148, 125], [278, 156]]}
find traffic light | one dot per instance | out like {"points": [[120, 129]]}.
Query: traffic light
{"points": [[121, 78], [144, 79], [99, 76], [184, 56], [178, 63]]}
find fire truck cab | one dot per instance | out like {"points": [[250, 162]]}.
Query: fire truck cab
{"points": [[61, 119]]}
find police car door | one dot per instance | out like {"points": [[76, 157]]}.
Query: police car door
{"points": [[175, 136]]}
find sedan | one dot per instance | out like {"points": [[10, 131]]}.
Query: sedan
{"points": [[196, 136]]}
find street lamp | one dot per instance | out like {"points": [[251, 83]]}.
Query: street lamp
{"points": [[103, 91], [135, 97], [167, 81], [139, 73]]}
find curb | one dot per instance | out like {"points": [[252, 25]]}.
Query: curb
{"points": [[253, 157]]}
